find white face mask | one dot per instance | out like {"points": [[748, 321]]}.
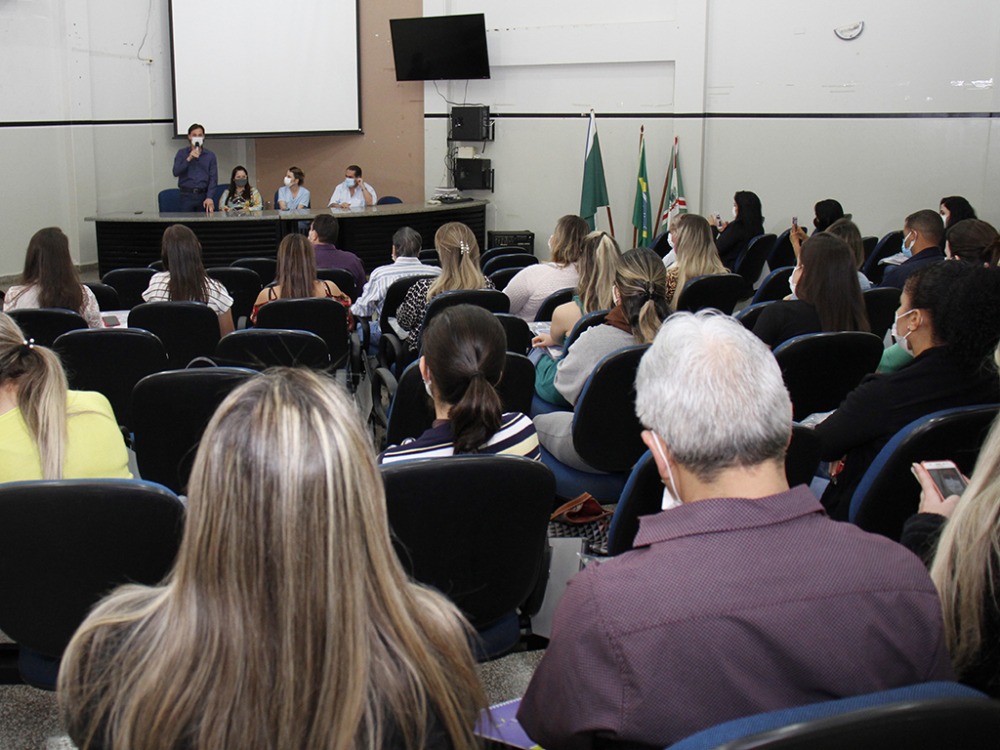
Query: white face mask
{"points": [[350, 182], [792, 284], [427, 387], [288, 181], [198, 140], [671, 498], [734, 212], [670, 240], [902, 340]]}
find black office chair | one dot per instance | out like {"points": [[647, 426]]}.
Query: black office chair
{"points": [[926, 716], [64, 545], [46, 324], [243, 285], [869, 243], [750, 264], [890, 244], [387, 200], [782, 252], [474, 528], [130, 283], [187, 329], [881, 304], [748, 315], [111, 361], [411, 410], [550, 303], [586, 321], [888, 494], [169, 200], [774, 286], [325, 317], [496, 252], [429, 257], [343, 278], [803, 456], [720, 291], [157, 265], [820, 369], [266, 268], [502, 277], [217, 192], [260, 348], [107, 297], [519, 335], [606, 430], [394, 295], [170, 411], [661, 244], [515, 260], [641, 496]]}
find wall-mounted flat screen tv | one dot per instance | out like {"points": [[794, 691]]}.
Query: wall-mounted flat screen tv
{"points": [[438, 48]]}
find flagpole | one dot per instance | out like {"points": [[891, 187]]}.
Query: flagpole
{"points": [[666, 182], [611, 224], [635, 230]]}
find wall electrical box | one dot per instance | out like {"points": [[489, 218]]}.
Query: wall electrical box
{"points": [[470, 124]]}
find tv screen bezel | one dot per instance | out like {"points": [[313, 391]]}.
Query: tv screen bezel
{"points": [[409, 32]]}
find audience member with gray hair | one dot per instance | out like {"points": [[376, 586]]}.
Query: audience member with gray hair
{"points": [[406, 244], [741, 596]]}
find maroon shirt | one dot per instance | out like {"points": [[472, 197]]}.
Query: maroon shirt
{"points": [[330, 256], [730, 607]]}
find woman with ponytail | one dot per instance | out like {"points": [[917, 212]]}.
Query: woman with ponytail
{"points": [[640, 296], [463, 356], [46, 430]]}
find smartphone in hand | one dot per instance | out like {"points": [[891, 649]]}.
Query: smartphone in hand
{"points": [[946, 476]]}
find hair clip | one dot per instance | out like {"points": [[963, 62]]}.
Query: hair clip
{"points": [[464, 246], [28, 344]]}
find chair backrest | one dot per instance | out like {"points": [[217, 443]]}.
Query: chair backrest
{"points": [[260, 348], [495, 252], [170, 411], [606, 431], [588, 320], [502, 277], [396, 293], [751, 261], [642, 496], [890, 244], [343, 278], [774, 286], [46, 324], [488, 299], [323, 316], [266, 268], [387, 199], [661, 244], [514, 260], [429, 257], [887, 493], [550, 303], [412, 411], [275, 204], [881, 304], [187, 329], [217, 192], [65, 544], [518, 333], [243, 285], [169, 200], [157, 265], [748, 315], [473, 527], [782, 252], [869, 243], [803, 456], [926, 716], [720, 291], [820, 369], [130, 283], [111, 361], [105, 294]]}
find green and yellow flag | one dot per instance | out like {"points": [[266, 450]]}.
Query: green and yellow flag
{"points": [[642, 213]]}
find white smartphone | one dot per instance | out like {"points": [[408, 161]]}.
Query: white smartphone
{"points": [[946, 476]]}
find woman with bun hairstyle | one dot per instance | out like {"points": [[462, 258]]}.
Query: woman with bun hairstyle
{"points": [[973, 241], [458, 250], [50, 279], [461, 363], [695, 252], [46, 430], [640, 294], [530, 286], [287, 621]]}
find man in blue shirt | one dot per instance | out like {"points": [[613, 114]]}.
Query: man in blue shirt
{"points": [[197, 172]]}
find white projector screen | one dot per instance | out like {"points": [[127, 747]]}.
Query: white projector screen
{"points": [[258, 68]]}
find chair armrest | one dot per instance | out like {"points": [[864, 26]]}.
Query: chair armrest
{"points": [[384, 385]]}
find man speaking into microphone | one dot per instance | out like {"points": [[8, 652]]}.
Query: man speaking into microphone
{"points": [[197, 172]]}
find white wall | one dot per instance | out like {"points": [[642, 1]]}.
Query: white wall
{"points": [[67, 63], [870, 122]]}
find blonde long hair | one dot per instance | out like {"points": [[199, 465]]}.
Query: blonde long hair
{"points": [[458, 250], [967, 561], [641, 280], [287, 621], [696, 251], [598, 261], [38, 377]]}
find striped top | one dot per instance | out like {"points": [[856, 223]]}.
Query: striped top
{"points": [[516, 437]]}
